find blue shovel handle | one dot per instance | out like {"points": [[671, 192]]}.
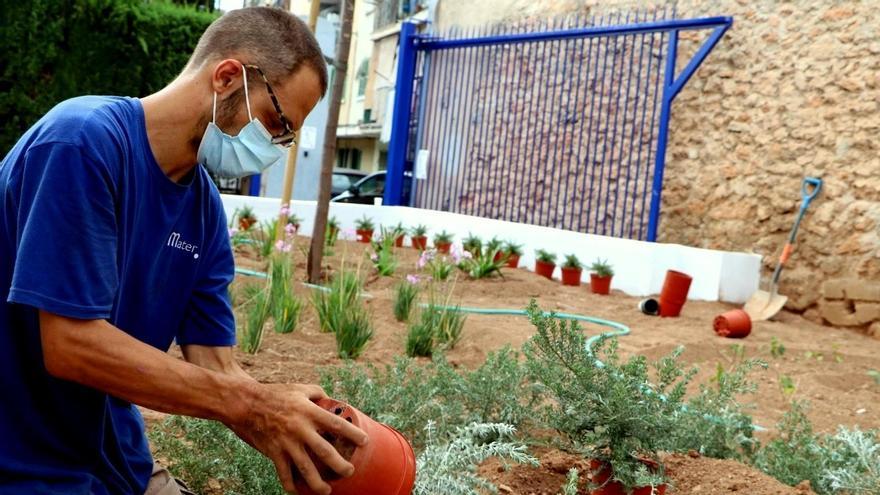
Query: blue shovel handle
{"points": [[809, 190]]}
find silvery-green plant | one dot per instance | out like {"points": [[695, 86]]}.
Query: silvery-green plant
{"points": [[452, 462]]}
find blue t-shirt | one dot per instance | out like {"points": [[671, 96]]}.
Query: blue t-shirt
{"points": [[91, 228]]}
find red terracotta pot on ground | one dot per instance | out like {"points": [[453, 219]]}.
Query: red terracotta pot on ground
{"points": [[602, 475], [245, 223], [734, 324], [385, 466], [571, 276], [674, 293], [364, 236], [420, 242], [398, 241], [498, 256], [600, 285], [443, 247], [512, 261], [544, 269]]}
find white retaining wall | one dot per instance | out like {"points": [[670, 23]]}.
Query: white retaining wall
{"points": [[639, 267]]}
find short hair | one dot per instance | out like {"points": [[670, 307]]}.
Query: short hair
{"points": [[275, 40]]}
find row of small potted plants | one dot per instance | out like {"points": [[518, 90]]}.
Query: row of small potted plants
{"points": [[601, 272]]}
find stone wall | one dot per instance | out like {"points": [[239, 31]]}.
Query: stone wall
{"points": [[793, 89]]}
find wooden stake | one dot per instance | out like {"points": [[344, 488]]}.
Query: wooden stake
{"points": [[316, 251]]}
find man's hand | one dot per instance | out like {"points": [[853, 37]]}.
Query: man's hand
{"points": [[285, 424], [309, 419]]}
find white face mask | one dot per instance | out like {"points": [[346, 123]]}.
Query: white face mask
{"points": [[249, 153]]}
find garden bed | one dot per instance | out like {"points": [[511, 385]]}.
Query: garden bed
{"points": [[827, 367]]}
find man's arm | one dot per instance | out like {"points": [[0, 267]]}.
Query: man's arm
{"points": [[281, 425], [215, 358]]}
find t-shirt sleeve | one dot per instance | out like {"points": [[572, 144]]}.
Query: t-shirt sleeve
{"points": [[209, 319], [67, 234]]}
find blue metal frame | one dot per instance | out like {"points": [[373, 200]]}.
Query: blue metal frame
{"points": [[412, 46], [400, 118]]}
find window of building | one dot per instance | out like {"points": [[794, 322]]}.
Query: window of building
{"points": [[348, 158]]}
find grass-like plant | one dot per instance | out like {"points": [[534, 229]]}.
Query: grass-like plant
{"points": [[572, 262], [452, 463], [613, 411], [257, 314], [494, 245], [420, 336], [472, 244], [440, 326], [333, 305], [545, 256], [405, 295], [418, 231], [601, 268], [286, 307], [440, 267], [354, 332], [364, 223], [263, 238]]}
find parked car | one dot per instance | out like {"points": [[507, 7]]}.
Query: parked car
{"points": [[366, 190], [344, 178]]}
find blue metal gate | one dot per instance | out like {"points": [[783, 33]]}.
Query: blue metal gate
{"points": [[564, 126]]}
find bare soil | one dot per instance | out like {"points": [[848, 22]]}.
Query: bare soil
{"points": [[828, 366]]}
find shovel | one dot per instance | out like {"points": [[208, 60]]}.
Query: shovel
{"points": [[763, 305]]}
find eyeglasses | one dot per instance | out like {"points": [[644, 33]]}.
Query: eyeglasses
{"points": [[288, 137]]}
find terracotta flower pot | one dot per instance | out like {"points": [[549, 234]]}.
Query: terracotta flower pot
{"points": [[419, 242], [385, 466], [364, 236], [544, 269], [600, 285], [602, 475], [498, 256], [443, 247], [734, 324], [512, 261], [571, 276], [674, 293], [245, 223], [398, 241]]}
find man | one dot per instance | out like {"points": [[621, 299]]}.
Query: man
{"points": [[113, 243]]}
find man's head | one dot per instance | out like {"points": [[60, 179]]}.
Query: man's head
{"points": [[256, 42]]}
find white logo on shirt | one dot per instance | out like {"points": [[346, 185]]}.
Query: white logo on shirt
{"points": [[175, 242]]}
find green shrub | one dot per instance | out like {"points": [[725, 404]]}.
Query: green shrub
{"points": [[601, 268], [51, 52], [285, 305], [406, 395], [609, 409], [545, 256], [354, 331], [452, 463]]}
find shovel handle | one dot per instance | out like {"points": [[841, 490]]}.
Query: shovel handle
{"points": [[809, 190]]}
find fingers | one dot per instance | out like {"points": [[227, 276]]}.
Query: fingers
{"points": [[328, 455], [285, 476], [307, 469], [314, 392], [338, 426]]}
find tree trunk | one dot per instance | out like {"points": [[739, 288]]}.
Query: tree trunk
{"points": [[316, 251]]}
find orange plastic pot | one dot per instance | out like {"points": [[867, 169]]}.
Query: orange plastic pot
{"points": [[571, 276], [443, 247], [512, 261], [602, 476], [544, 269], [385, 466], [600, 285], [420, 242], [734, 324], [674, 293], [364, 236], [398, 241]]}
